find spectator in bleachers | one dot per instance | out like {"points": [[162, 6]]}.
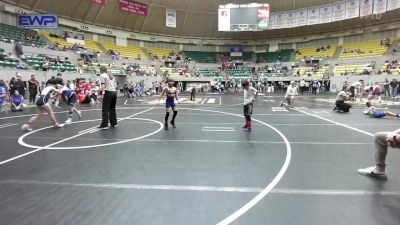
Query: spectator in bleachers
{"points": [[16, 101], [18, 49], [33, 87], [45, 64]]}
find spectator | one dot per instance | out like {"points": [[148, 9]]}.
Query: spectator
{"points": [[11, 86], [20, 85], [16, 101], [3, 93], [18, 49], [45, 64], [33, 89], [393, 85], [386, 89]]}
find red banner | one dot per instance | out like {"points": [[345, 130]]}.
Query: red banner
{"points": [[100, 2], [263, 13], [133, 7]]}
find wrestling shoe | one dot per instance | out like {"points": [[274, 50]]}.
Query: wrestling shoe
{"points": [[26, 127], [373, 172]]}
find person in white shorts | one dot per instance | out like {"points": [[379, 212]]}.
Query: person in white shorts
{"points": [[289, 96]]}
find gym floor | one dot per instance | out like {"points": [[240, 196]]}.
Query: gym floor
{"points": [[297, 167]]}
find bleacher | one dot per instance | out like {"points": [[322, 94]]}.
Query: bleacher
{"points": [[302, 53], [92, 46], [6, 62], [130, 52], [58, 42], [208, 73], [172, 72], [246, 56], [271, 57], [363, 49], [395, 71], [11, 33], [310, 71], [161, 52], [349, 69], [201, 57], [35, 62], [238, 73]]}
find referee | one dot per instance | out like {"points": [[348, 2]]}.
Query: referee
{"points": [[109, 86]]}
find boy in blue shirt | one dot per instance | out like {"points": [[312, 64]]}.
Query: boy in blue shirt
{"points": [[17, 102], [3, 93], [374, 112], [69, 97]]}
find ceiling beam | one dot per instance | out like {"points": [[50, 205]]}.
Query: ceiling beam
{"points": [[186, 16], [148, 13], [36, 4], [76, 10], [98, 14]]}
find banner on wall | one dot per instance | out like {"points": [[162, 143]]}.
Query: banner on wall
{"points": [[100, 2], [262, 18], [325, 13], [339, 11], [170, 18], [224, 19], [366, 7], [352, 9], [280, 20], [313, 15], [290, 19], [271, 22], [133, 7], [301, 17], [393, 4], [380, 6]]}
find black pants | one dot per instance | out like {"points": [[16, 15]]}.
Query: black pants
{"points": [[32, 95], [192, 96], [108, 109], [343, 106]]}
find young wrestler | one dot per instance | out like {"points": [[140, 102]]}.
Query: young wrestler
{"points": [[43, 105], [69, 98], [172, 93], [249, 96], [374, 112]]}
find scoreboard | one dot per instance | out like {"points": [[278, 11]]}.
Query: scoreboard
{"points": [[249, 17]]}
